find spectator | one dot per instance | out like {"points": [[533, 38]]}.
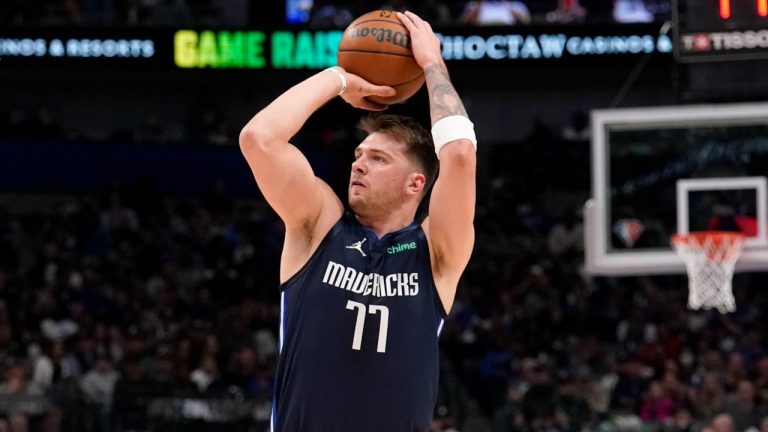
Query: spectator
{"points": [[170, 378], [131, 398], [435, 12], [761, 378], [709, 400], [568, 11], [327, 14], [674, 387], [242, 376], [566, 236], [496, 12], [540, 401], [657, 406], [47, 366], [510, 416], [443, 421], [118, 219], [98, 386], [631, 11], [723, 423], [170, 13], [630, 386], [205, 373], [575, 413], [683, 421], [742, 407], [475, 420], [15, 382], [57, 328], [18, 422], [735, 372]]}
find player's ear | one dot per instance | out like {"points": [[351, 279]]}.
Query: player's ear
{"points": [[415, 184]]}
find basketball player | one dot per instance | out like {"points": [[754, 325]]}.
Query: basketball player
{"points": [[364, 294]]}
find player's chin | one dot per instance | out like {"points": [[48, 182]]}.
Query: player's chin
{"points": [[356, 191], [356, 203]]}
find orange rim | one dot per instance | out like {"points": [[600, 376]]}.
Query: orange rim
{"points": [[697, 239], [716, 236]]}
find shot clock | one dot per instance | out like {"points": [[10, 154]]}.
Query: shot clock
{"points": [[720, 30]]}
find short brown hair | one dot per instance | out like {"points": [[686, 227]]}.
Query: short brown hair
{"points": [[417, 139]]}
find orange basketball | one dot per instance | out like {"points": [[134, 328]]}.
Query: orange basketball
{"points": [[377, 47]]}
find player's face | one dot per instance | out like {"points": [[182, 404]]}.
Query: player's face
{"points": [[381, 174]]}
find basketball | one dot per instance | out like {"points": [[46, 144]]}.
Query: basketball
{"points": [[377, 47]]}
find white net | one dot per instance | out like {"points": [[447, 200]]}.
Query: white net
{"points": [[710, 258]]}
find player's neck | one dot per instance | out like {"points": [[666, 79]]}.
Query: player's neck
{"points": [[386, 223]]}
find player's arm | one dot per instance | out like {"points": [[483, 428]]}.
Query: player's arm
{"points": [[452, 206], [282, 173]]}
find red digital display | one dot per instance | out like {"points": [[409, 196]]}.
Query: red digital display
{"points": [[725, 8]]}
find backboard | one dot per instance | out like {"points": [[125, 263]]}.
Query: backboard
{"points": [[666, 170]]}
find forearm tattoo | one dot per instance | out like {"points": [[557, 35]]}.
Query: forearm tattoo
{"points": [[443, 99]]}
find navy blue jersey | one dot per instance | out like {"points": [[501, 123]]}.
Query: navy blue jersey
{"points": [[359, 335]]}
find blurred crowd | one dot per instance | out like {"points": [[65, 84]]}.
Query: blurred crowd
{"points": [[116, 309], [202, 123], [323, 13], [110, 303]]}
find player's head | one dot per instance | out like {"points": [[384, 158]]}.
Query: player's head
{"points": [[395, 163]]}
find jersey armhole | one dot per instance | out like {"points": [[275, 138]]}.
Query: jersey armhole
{"points": [[334, 229], [435, 294]]}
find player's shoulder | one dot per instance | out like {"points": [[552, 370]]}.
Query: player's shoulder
{"points": [[330, 212], [332, 204], [303, 239]]}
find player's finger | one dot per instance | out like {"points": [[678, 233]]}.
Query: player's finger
{"points": [[407, 21], [375, 90], [417, 21], [371, 105]]}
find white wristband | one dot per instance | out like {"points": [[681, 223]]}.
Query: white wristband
{"points": [[452, 128], [341, 78]]}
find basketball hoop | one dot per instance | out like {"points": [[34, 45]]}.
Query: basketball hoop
{"points": [[710, 257]]}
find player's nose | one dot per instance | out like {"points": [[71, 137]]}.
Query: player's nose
{"points": [[358, 166]]}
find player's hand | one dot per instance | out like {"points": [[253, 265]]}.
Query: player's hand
{"points": [[424, 43], [359, 89]]}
